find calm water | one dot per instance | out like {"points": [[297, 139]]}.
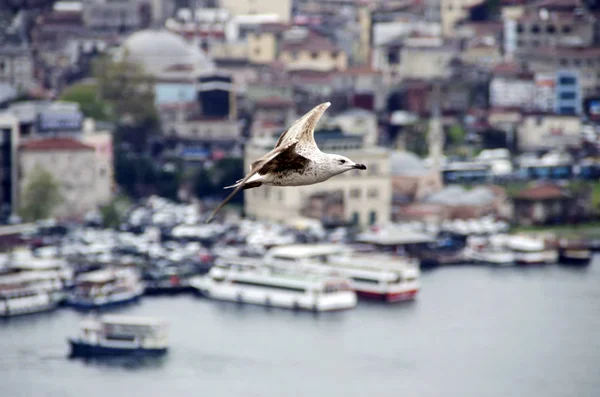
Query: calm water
{"points": [[472, 332]]}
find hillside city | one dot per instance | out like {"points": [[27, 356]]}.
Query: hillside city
{"points": [[459, 108]]}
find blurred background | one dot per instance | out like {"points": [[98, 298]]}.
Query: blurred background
{"points": [[462, 262]]}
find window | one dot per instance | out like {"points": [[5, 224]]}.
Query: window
{"points": [[372, 217], [577, 62], [567, 95], [373, 193], [393, 56], [2, 67], [550, 29], [355, 218], [563, 62], [519, 28], [257, 51], [535, 29], [590, 62], [567, 80], [314, 55], [372, 168], [355, 193], [566, 29]]}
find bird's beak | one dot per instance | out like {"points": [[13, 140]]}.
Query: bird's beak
{"points": [[359, 167]]}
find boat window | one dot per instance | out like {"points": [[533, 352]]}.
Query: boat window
{"points": [[128, 338], [365, 280], [278, 287]]}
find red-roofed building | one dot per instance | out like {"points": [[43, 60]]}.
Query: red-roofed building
{"points": [[303, 49], [549, 203], [72, 164]]}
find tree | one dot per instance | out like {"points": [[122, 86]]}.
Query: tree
{"points": [[129, 92], [86, 95], [457, 134], [41, 195], [127, 88], [203, 184]]}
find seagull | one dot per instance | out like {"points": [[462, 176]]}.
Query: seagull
{"points": [[296, 160]]}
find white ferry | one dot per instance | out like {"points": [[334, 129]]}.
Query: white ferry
{"points": [[261, 285], [530, 250], [491, 251], [113, 335], [106, 287], [29, 292], [371, 275]]}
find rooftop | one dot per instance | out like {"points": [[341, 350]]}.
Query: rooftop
{"points": [[48, 144], [546, 191]]}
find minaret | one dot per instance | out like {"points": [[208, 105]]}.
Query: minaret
{"points": [[435, 135], [435, 138]]}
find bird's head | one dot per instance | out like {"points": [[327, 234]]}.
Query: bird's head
{"points": [[341, 164]]}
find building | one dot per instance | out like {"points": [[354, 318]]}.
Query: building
{"points": [[539, 131], [9, 137], [453, 11], [542, 204], [16, 58], [72, 163], [166, 56], [568, 93], [47, 118], [101, 139], [417, 57], [303, 49], [585, 61], [263, 42], [549, 23], [365, 195], [282, 9], [116, 16], [512, 86]]}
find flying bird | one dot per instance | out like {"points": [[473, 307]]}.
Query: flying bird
{"points": [[296, 160]]}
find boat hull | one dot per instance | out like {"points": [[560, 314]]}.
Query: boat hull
{"points": [[26, 306], [388, 296], [341, 301], [99, 304], [80, 349], [576, 258]]}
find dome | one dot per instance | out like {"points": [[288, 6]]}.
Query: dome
{"points": [[407, 164], [161, 52]]}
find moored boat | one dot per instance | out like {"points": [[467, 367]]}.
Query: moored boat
{"points": [[120, 336], [577, 253], [29, 292], [105, 287], [270, 287], [371, 275], [531, 251]]}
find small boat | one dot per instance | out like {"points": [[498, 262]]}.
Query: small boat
{"points": [[29, 292], [271, 287], [531, 251], [106, 287], [115, 335], [489, 250], [576, 253]]}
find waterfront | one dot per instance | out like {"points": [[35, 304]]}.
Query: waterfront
{"points": [[473, 331]]}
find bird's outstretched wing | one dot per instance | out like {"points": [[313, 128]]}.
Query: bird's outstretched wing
{"points": [[303, 129], [262, 165]]}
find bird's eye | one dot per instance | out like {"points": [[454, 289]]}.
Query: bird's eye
{"points": [[342, 161]]}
